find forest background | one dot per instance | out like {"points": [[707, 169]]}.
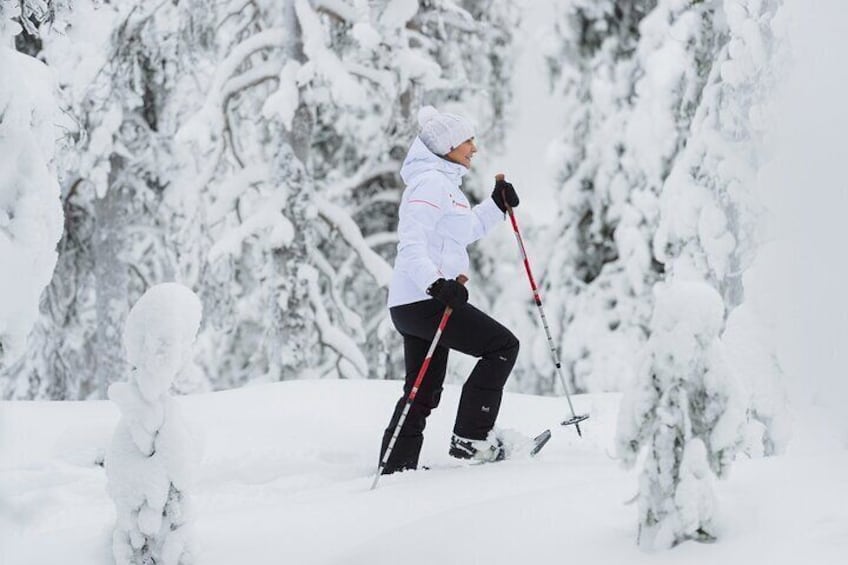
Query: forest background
{"points": [[250, 150]]}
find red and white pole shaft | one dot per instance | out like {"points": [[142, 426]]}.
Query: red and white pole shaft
{"points": [[538, 299], [461, 279]]}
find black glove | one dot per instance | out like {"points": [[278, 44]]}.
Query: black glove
{"points": [[449, 292], [503, 194]]}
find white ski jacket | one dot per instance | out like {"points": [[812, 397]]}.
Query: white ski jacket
{"points": [[436, 225]]}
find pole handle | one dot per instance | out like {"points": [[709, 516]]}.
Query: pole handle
{"points": [[461, 279], [498, 178]]}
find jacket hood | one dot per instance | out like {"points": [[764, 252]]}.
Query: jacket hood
{"points": [[420, 160]]}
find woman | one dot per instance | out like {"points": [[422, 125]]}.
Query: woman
{"points": [[436, 225]]}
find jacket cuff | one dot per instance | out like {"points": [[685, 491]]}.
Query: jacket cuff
{"points": [[491, 210], [424, 282]]}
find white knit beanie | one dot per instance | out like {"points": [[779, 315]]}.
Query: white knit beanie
{"points": [[442, 133]]}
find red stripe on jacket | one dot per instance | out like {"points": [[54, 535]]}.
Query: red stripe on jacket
{"points": [[425, 202]]}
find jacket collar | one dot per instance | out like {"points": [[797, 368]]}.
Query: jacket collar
{"points": [[420, 160]]}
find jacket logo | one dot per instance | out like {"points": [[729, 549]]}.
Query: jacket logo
{"points": [[457, 204]]}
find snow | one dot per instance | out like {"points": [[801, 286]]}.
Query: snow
{"points": [[685, 412], [355, 364], [267, 218], [374, 264], [149, 463], [31, 219], [366, 35], [748, 344], [204, 127], [345, 90], [651, 133], [397, 13], [284, 101], [160, 330], [231, 190], [286, 468]]}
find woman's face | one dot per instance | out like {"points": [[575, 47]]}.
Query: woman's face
{"points": [[463, 153]]}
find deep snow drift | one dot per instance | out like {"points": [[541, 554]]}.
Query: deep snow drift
{"points": [[286, 469]]}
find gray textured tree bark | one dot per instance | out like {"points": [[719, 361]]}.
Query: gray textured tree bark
{"points": [[291, 166], [111, 277]]}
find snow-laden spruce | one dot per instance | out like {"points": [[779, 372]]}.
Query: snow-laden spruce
{"points": [[685, 408], [124, 74], [710, 210], [631, 74], [150, 460], [660, 170], [30, 210]]}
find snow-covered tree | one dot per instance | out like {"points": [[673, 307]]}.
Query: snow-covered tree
{"points": [[695, 401], [325, 94], [118, 67], [685, 408], [150, 460], [632, 74], [134, 111], [253, 195], [254, 150], [709, 206], [30, 209], [663, 119]]}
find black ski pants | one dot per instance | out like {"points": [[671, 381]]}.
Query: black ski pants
{"points": [[470, 331]]}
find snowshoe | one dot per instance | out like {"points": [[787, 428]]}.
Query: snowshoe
{"points": [[539, 442], [500, 445], [483, 450]]}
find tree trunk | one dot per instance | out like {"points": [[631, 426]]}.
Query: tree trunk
{"points": [[111, 278], [294, 320]]}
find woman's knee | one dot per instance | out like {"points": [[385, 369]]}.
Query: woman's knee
{"points": [[514, 345], [506, 348]]}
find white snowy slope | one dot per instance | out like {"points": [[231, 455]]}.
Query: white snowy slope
{"points": [[287, 468]]}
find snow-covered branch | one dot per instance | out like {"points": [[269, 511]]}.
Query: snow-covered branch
{"points": [[268, 217], [385, 196], [260, 73], [351, 319], [344, 89], [207, 123], [229, 191], [381, 78], [458, 18], [331, 335], [336, 8], [266, 39], [381, 238], [363, 174], [339, 218]]}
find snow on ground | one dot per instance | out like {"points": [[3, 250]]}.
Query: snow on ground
{"points": [[287, 467]]}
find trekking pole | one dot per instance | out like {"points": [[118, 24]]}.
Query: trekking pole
{"points": [[461, 279], [575, 419]]}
